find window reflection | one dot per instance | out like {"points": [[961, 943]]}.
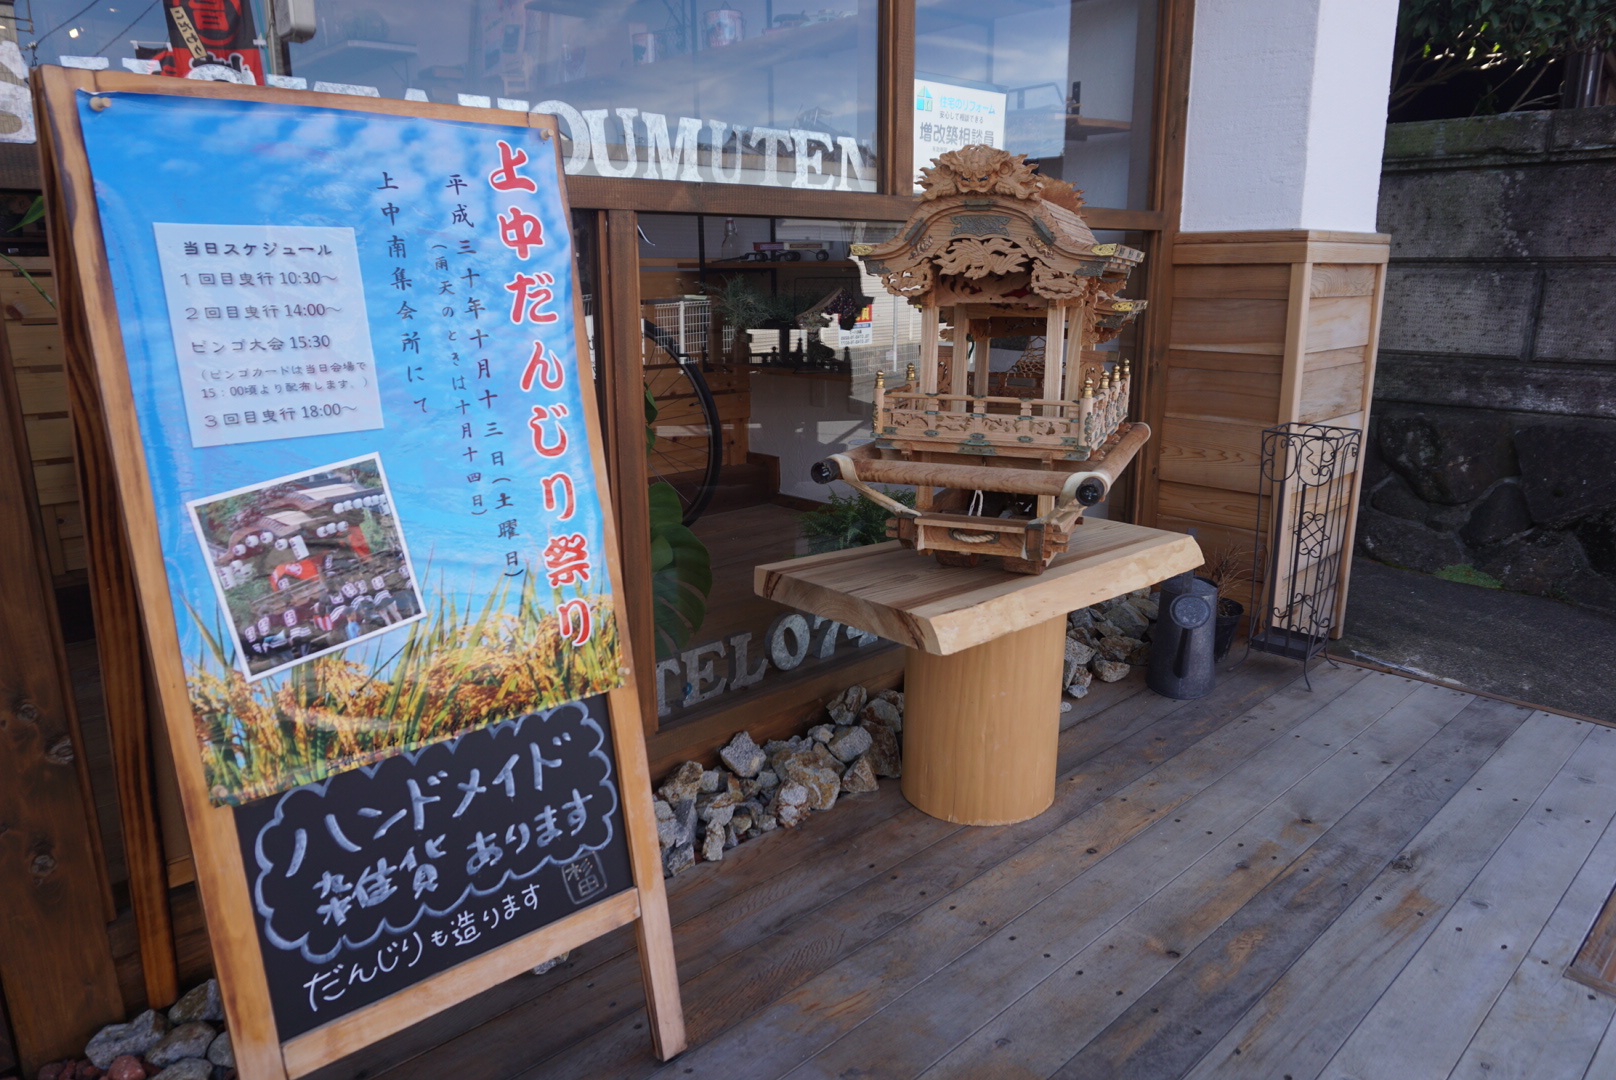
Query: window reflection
{"points": [[762, 340], [1066, 82]]}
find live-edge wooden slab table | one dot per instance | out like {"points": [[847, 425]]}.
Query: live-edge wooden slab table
{"points": [[982, 679]]}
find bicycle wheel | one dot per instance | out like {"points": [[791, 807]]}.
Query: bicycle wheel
{"points": [[684, 439]]}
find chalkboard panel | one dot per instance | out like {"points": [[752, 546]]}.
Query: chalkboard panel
{"points": [[372, 880]]}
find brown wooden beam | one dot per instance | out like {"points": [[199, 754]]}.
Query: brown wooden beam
{"points": [[621, 344], [895, 98], [120, 637], [744, 200], [1176, 25], [56, 967]]}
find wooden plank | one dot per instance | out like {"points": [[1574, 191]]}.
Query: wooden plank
{"points": [[35, 344], [1268, 364], [1330, 392], [1457, 975], [1275, 236], [1200, 394], [622, 359], [942, 609], [56, 968], [1544, 1024], [42, 391], [1233, 324], [56, 483], [1297, 329], [1210, 454], [1279, 253], [1065, 1015], [742, 984], [1595, 962], [1295, 1029], [49, 439], [1321, 361], [1233, 509], [1340, 279], [1038, 931], [89, 333], [1173, 1025], [1339, 322], [1255, 282]]}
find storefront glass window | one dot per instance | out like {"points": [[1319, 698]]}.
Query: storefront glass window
{"points": [[721, 91], [1069, 83], [762, 340]]}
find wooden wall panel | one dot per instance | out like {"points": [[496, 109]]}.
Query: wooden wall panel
{"points": [[1233, 325], [1267, 328], [1210, 453], [1338, 322], [1334, 391], [1254, 282], [1343, 279], [1196, 393]]}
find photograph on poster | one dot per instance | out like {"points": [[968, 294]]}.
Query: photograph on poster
{"points": [[374, 288], [309, 564]]}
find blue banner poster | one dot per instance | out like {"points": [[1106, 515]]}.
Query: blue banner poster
{"points": [[351, 342]]}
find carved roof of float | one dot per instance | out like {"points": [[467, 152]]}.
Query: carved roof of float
{"points": [[986, 213]]}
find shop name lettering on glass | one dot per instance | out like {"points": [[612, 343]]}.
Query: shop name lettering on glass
{"points": [[426, 859], [270, 331], [447, 306]]}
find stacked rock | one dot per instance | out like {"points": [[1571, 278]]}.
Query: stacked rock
{"points": [[757, 789], [1107, 640], [189, 1043]]}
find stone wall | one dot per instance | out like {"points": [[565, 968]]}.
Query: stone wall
{"points": [[1494, 438]]}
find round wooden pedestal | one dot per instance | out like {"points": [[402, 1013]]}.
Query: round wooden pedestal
{"points": [[980, 727]]}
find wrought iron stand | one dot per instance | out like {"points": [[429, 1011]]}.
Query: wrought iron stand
{"points": [[1303, 510]]}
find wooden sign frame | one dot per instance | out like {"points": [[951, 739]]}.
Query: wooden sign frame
{"points": [[110, 446]]}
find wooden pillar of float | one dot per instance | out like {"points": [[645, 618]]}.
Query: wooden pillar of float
{"points": [[982, 676], [981, 727]]}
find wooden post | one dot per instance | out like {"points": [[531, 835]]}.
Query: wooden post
{"points": [[120, 649], [981, 727], [1054, 352], [622, 362], [56, 966], [930, 317]]}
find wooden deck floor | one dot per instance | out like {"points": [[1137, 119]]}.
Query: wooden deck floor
{"points": [[1379, 878]]}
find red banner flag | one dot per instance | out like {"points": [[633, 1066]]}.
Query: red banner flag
{"points": [[214, 40]]}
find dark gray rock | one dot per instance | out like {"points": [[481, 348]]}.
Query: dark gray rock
{"points": [[222, 1053], [199, 1003], [678, 859], [1597, 533], [1448, 456], [1406, 543], [136, 1037], [1567, 468], [187, 1069], [849, 744], [1396, 498], [189, 1040], [1499, 516], [1542, 563]]}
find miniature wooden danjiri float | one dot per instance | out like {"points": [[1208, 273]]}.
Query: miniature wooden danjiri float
{"points": [[1000, 469]]}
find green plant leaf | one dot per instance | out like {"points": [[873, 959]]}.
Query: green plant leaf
{"points": [[36, 211]]}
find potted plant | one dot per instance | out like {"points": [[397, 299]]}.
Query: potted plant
{"points": [[1228, 570]]}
